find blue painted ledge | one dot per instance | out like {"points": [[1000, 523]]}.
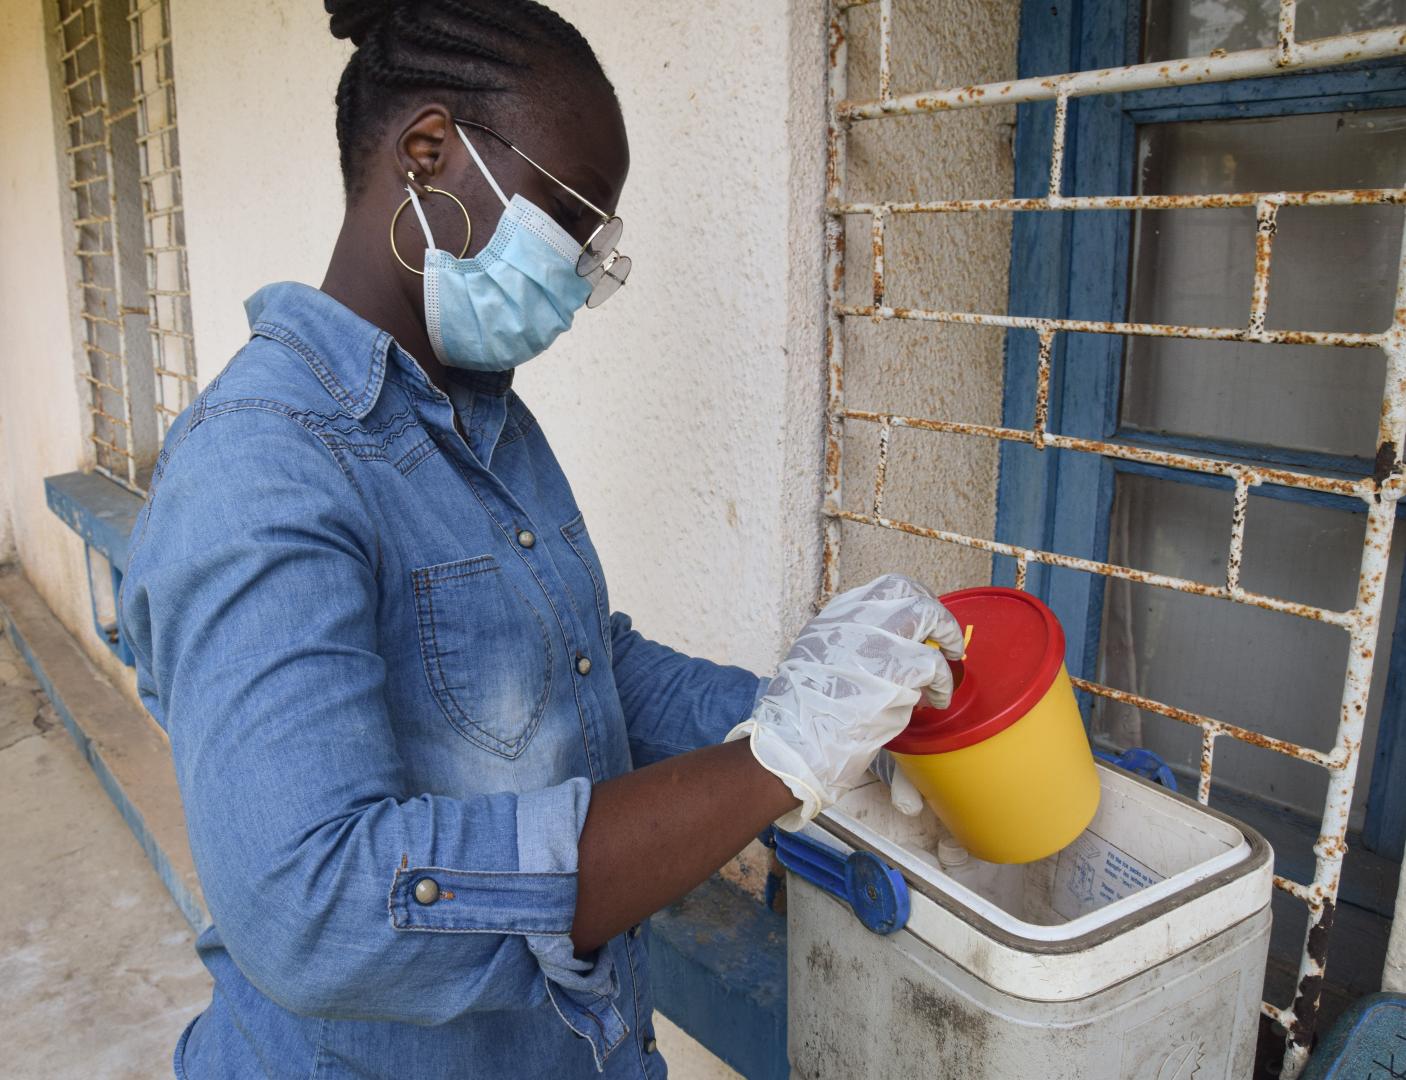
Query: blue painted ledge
{"points": [[99, 510], [718, 965], [103, 513]]}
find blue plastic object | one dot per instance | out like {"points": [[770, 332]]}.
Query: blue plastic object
{"points": [[876, 893], [1142, 762], [1367, 1043]]}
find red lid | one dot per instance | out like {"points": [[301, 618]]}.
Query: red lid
{"points": [[1015, 652]]}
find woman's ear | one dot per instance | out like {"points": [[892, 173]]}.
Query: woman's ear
{"points": [[421, 145]]}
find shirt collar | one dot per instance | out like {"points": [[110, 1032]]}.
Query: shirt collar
{"points": [[346, 353], [482, 414]]}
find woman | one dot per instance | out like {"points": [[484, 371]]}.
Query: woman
{"points": [[434, 788]]}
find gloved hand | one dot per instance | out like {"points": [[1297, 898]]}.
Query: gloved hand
{"points": [[906, 798], [847, 686]]}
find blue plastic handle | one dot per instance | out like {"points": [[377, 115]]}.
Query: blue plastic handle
{"points": [[876, 893]]}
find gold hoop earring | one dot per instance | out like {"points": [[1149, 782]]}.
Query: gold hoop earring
{"points": [[468, 224]]}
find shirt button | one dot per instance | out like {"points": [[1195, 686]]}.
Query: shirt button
{"points": [[583, 665], [526, 539], [650, 1045], [426, 891]]}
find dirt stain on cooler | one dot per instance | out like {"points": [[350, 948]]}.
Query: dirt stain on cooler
{"points": [[957, 1035], [822, 961]]}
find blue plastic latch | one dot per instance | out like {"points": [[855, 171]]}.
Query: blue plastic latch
{"points": [[876, 893]]}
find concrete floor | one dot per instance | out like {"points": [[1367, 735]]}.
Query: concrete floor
{"points": [[98, 973]]}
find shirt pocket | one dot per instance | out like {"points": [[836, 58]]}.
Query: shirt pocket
{"points": [[486, 652], [587, 580]]}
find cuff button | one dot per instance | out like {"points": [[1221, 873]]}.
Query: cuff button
{"points": [[426, 891]]}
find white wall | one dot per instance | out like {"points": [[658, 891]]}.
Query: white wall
{"points": [[7, 528], [674, 406], [255, 81], [42, 420]]}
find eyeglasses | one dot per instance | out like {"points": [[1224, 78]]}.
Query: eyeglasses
{"points": [[599, 263]]}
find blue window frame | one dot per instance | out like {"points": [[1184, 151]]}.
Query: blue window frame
{"points": [[1077, 266]]}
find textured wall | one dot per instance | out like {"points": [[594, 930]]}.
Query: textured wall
{"points": [[954, 261]]}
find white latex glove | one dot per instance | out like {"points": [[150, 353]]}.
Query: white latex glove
{"points": [[847, 686], [905, 797]]}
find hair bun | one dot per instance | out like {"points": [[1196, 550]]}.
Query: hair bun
{"points": [[356, 19]]}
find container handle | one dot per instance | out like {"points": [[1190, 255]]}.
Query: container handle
{"points": [[875, 892]]}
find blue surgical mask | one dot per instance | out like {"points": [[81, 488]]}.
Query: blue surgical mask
{"points": [[509, 302]]}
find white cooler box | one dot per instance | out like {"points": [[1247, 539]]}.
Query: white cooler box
{"points": [[1136, 953]]}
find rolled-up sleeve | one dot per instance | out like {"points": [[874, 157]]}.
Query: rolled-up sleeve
{"points": [[675, 703], [250, 602]]}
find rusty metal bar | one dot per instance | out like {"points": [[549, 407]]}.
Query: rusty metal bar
{"points": [[1266, 222], [1106, 569], [1247, 64], [1287, 46], [1238, 514], [836, 149], [1085, 326], [1042, 390], [881, 467], [1061, 121], [1327, 485], [885, 49], [1209, 725], [877, 245], [1208, 753]]}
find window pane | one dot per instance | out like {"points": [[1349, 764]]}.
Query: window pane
{"points": [[1278, 674], [1177, 28], [1334, 268]]}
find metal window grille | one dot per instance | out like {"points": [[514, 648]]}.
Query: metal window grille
{"points": [[168, 289], [1379, 493], [114, 61]]}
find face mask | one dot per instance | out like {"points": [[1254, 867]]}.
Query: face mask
{"points": [[508, 303]]}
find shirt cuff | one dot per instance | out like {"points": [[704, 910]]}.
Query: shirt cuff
{"points": [[536, 901], [582, 990], [763, 685]]}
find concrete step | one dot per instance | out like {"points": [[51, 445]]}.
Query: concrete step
{"points": [[121, 742]]}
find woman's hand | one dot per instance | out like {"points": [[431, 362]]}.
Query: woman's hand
{"points": [[848, 685], [845, 688]]}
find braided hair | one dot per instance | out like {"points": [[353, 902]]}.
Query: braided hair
{"points": [[473, 51]]}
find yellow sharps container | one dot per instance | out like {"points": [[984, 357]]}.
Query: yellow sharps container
{"points": [[1007, 766]]}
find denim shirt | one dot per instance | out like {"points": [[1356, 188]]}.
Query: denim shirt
{"points": [[387, 665]]}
